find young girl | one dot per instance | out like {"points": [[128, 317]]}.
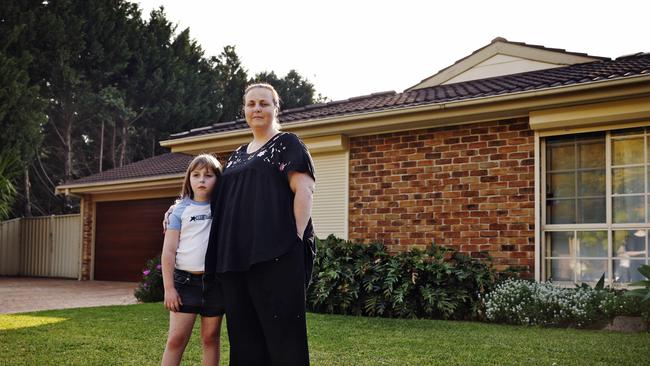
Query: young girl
{"points": [[187, 291]]}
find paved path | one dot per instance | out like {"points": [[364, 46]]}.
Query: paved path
{"points": [[22, 294]]}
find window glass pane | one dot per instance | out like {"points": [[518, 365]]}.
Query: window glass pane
{"points": [[560, 156], [560, 211], [592, 154], [627, 151], [626, 270], [629, 243], [558, 243], [592, 243], [629, 209], [559, 270], [591, 183], [561, 185], [591, 210], [628, 180], [590, 270]]}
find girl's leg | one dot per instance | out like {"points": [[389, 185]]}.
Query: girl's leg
{"points": [[180, 330], [210, 337]]}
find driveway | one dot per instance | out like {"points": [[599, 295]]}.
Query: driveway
{"points": [[23, 294]]}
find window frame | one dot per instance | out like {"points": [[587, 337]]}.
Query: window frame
{"points": [[609, 226]]}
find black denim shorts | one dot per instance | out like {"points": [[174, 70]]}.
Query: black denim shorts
{"points": [[199, 293]]}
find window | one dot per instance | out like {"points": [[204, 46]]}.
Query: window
{"points": [[596, 214]]}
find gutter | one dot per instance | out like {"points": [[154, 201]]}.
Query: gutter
{"points": [[68, 189]]}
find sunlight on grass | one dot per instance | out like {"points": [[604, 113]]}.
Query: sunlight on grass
{"points": [[9, 321]]}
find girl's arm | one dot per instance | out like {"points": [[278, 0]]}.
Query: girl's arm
{"points": [[302, 185], [168, 261]]}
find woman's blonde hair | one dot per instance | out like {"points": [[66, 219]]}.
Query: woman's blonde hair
{"points": [[275, 96], [199, 162]]}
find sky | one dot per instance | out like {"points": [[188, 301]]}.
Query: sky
{"points": [[349, 48]]}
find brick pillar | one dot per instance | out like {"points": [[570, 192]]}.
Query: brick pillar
{"points": [[87, 219]]}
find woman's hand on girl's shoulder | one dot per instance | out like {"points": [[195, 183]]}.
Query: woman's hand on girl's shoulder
{"points": [[166, 215]]}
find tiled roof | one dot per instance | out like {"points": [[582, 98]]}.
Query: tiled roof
{"points": [[622, 67], [166, 164], [539, 47]]}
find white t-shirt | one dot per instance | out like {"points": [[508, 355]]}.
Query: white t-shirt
{"points": [[193, 220]]}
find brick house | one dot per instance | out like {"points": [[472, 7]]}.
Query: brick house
{"points": [[536, 156]]}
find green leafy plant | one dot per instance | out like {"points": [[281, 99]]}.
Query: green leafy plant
{"points": [[616, 303], [9, 170], [600, 285], [359, 279], [643, 291], [150, 288]]}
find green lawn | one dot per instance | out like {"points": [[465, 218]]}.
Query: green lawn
{"points": [[135, 335]]}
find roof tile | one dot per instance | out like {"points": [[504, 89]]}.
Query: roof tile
{"points": [[166, 164]]}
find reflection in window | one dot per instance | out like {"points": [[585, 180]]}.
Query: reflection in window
{"points": [[580, 244], [592, 244], [559, 270], [629, 187], [575, 177], [626, 271], [591, 270], [558, 244], [629, 249]]}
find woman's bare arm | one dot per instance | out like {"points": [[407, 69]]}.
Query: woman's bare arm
{"points": [[302, 185]]}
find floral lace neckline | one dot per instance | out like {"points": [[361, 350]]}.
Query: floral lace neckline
{"points": [[259, 149]]}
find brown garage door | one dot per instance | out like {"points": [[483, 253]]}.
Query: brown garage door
{"points": [[128, 233]]}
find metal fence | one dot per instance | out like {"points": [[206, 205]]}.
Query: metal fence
{"points": [[48, 246]]}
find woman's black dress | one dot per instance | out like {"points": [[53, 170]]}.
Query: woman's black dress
{"points": [[254, 249]]}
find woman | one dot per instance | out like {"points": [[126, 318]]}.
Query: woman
{"points": [[261, 240]]}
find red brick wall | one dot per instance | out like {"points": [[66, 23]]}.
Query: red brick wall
{"points": [[86, 236], [468, 187]]}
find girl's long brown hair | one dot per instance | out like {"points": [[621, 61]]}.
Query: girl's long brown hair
{"points": [[199, 162]]}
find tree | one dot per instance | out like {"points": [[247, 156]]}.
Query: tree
{"points": [[232, 81], [9, 170], [186, 89], [293, 89], [21, 108], [88, 85]]}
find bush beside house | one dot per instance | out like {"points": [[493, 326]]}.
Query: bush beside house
{"points": [[440, 283]]}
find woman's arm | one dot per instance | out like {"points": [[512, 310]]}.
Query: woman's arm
{"points": [[167, 214], [302, 185], [168, 261]]}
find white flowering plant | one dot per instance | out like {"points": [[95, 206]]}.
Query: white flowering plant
{"points": [[516, 301]]}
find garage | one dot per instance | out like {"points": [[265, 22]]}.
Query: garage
{"points": [[127, 234]]}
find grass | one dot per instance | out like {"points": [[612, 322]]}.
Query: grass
{"points": [[135, 335]]}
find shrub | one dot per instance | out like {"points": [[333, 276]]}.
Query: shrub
{"points": [[150, 288], [617, 303], [360, 279], [531, 303], [642, 292]]}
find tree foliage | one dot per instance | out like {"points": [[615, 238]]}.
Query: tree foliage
{"points": [[293, 89], [89, 85]]}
